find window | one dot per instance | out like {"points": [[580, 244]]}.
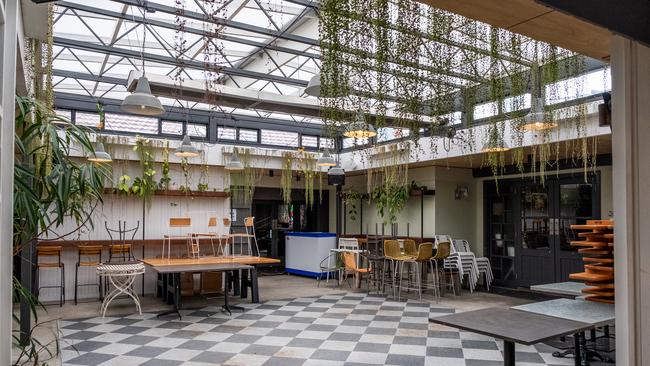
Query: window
{"points": [[352, 142], [172, 128], [225, 133], [516, 103], [247, 135], [309, 141], [87, 119], [591, 83], [326, 143], [392, 133], [279, 138], [64, 113], [197, 130], [485, 110], [129, 123]]}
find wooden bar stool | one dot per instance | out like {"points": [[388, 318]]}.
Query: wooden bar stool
{"points": [[48, 252], [92, 257]]}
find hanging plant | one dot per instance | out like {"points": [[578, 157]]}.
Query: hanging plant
{"points": [[243, 182], [165, 179], [145, 186], [286, 180], [123, 187], [390, 200], [204, 178], [350, 198], [187, 176]]}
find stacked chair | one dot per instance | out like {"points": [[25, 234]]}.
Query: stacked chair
{"points": [[482, 263]]}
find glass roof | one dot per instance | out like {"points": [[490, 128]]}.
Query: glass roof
{"points": [[265, 45]]}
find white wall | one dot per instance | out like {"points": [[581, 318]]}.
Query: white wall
{"points": [[456, 217]]}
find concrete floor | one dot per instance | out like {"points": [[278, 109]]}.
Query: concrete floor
{"points": [[274, 287]]}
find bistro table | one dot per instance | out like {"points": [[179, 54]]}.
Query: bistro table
{"points": [[593, 313], [121, 276], [569, 289], [513, 326]]}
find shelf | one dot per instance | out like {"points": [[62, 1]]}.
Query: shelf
{"points": [[179, 193]]}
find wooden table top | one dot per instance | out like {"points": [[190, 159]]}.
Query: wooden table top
{"points": [[155, 262], [512, 325]]}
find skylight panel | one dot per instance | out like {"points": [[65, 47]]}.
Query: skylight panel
{"points": [[131, 123], [279, 138]]}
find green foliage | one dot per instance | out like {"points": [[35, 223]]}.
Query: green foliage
{"points": [[123, 185], [146, 185], [287, 177], [165, 179], [243, 182], [390, 200], [50, 186], [350, 198]]}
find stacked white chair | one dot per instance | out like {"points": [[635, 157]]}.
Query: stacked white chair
{"points": [[482, 263], [468, 263]]}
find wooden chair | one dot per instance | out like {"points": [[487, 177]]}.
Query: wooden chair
{"points": [[249, 225], [48, 252], [88, 256]]}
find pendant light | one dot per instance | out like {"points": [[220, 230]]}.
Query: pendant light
{"points": [[234, 163], [359, 128], [495, 144], [100, 155], [141, 101], [326, 159], [186, 149], [537, 119], [336, 170], [313, 86]]}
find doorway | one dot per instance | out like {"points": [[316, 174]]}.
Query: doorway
{"points": [[529, 226]]}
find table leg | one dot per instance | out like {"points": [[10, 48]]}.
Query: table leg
{"points": [[508, 353], [226, 306], [576, 352], [244, 284], [176, 283], [255, 292], [235, 283]]}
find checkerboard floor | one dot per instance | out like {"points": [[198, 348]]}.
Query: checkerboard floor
{"points": [[345, 329]]}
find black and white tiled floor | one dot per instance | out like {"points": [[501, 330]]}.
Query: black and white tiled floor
{"points": [[346, 329]]}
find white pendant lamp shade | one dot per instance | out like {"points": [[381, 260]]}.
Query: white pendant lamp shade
{"points": [[234, 163], [186, 149], [100, 155], [537, 119], [326, 159], [313, 87], [336, 170], [141, 101], [359, 128]]}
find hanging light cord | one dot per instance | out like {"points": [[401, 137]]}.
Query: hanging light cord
{"points": [[144, 32]]}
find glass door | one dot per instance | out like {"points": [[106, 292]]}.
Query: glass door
{"points": [[535, 234], [577, 203]]}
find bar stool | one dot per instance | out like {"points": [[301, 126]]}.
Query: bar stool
{"points": [[49, 251], [443, 251], [249, 225], [93, 258], [417, 264], [122, 249], [410, 248], [392, 256]]}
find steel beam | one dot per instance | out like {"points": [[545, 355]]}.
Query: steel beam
{"points": [[93, 47]]}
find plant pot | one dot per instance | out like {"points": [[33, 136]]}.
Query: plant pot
{"points": [[498, 236], [511, 251], [499, 243]]}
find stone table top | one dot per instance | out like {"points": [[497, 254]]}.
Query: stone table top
{"points": [[573, 289], [589, 312]]}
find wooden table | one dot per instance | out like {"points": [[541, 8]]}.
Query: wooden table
{"points": [[513, 326]]}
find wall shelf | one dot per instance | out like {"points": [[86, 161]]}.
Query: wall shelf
{"points": [[179, 193]]}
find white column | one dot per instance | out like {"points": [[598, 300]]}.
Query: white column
{"points": [[8, 34], [630, 62]]}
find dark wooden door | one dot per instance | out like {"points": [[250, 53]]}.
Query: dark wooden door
{"points": [[535, 241]]}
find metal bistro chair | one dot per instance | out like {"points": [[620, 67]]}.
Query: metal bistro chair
{"points": [[49, 251], [122, 249], [88, 256], [176, 224], [326, 268], [375, 249]]}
